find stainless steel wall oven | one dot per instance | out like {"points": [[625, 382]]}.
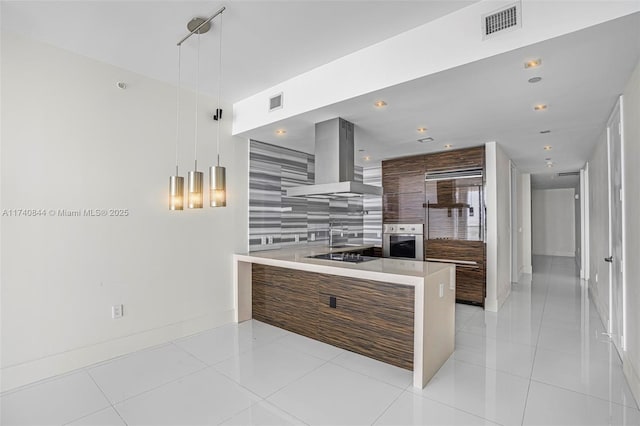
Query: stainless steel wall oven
{"points": [[403, 241]]}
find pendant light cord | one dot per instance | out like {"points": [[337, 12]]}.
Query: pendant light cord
{"points": [[195, 139], [219, 86], [178, 108]]}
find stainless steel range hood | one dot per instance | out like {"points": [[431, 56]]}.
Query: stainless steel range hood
{"points": [[334, 164]]}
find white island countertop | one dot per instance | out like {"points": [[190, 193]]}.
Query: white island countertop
{"points": [[399, 271], [434, 294]]}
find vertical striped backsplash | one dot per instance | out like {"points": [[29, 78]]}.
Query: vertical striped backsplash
{"points": [[276, 220]]}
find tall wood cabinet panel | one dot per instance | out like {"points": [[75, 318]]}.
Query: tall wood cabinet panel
{"points": [[403, 190]]}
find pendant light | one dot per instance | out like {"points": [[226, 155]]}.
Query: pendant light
{"points": [[176, 183], [217, 173], [195, 177]]}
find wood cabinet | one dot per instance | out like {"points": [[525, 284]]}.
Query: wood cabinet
{"points": [[371, 318], [455, 160], [286, 298], [406, 196], [403, 190], [470, 278]]}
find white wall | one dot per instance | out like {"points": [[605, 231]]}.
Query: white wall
{"points": [[631, 133], [553, 216], [72, 140], [599, 230], [498, 203]]}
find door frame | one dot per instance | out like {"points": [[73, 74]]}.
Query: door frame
{"points": [[584, 223], [617, 336]]}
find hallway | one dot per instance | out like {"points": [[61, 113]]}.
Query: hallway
{"points": [[542, 360]]}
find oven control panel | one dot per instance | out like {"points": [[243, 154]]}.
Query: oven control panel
{"points": [[403, 228]]}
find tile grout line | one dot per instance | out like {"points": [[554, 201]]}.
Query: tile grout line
{"points": [[535, 353], [105, 397]]}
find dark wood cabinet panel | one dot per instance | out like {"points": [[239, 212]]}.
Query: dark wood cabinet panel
{"points": [[470, 287], [403, 208], [453, 160], [472, 251], [470, 280], [403, 175], [373, 319], [286, 298], [401, 165]]}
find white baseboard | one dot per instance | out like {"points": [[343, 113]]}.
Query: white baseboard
{"points": [[56, 364], [633, 378], [491, 305]]}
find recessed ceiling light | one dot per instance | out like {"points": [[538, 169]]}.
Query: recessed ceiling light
{"points": [[366, 158], [547, 147], [535, 79], [533, 63], [281, 132], [549, 165], [425, 140], [380, 104], [448, 146], [540, 107], [545, 131], [422, 129]]}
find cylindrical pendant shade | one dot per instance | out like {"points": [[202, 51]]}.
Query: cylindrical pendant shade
{"points": [[217, 186], [195, 179], [176, 193]]}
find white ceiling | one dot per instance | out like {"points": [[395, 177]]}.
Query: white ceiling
{"points": [[266, 42], [492, 100]]}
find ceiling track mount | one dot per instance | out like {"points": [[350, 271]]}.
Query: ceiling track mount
{"points": [[200, 25]]}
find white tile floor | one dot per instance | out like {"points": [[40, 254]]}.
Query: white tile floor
{"points": [[541, 360]]}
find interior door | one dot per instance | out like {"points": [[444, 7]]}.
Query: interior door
{"points": [[614, 133]]}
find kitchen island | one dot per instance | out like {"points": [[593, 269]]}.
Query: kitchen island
{"points": [[397, 311]]}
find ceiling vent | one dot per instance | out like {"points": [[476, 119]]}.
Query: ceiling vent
{"points": [[426, 140], [275, 102], [568, 174], [505, 19]]}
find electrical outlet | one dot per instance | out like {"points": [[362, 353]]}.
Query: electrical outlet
{"points": [[313, 236], [117, 311], [596, 277], [441, 290]]}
